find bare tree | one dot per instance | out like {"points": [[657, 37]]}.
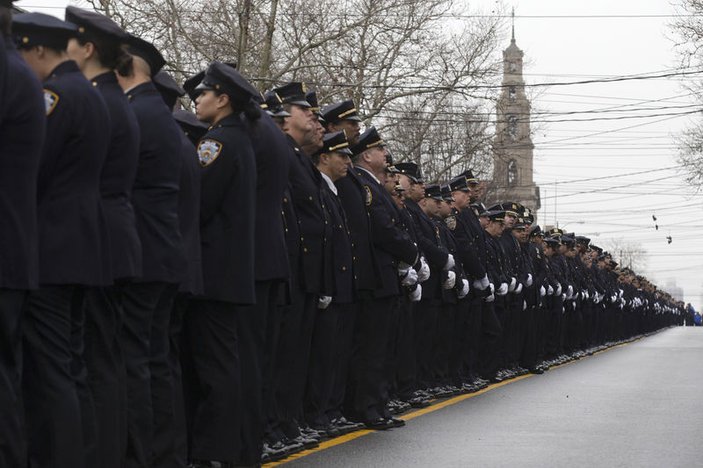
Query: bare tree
{"points": [[627, 253], [688, 32], [417, 69]]}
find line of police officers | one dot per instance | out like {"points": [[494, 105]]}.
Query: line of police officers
{"points": [[232, 286]]}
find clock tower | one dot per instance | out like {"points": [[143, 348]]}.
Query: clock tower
{"points": [[512, 146]]}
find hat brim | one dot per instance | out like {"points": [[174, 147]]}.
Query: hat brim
{"points": [[303, 103], [203, 87]]}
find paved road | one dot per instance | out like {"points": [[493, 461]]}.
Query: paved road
{"points": [[638, 405]]}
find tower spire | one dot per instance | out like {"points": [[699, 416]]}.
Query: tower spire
{"points": [[513, 20]]}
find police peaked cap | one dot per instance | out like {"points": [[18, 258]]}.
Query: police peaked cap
{"points": [[147, 51], [335, 142], [510, 208], [273, 105], [38, 29], [469, 175], [293, 93], [583, 240], [568, 240], [447, 193], [434, 191], [536, 231], [92, 22], [311, 98], [494, 215], [479, 207], [369, 139], [224, 78], [168, 88], [191, 85], [411, 170], [345, 110], [459, 183], [555, 232], [190, 124], [552, 242]]}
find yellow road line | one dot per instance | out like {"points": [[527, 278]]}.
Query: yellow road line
{"points": [[430, 409]]}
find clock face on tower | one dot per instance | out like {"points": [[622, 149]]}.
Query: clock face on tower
{"points": [[512, 67]]}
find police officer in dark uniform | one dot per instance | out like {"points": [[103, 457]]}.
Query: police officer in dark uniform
{"points": [[148, 300], [97, 51], [22, 132], [305, 213], [171, 444], [333, 162], [343, 116], [219, 324], [395, 252], [69, 211]]}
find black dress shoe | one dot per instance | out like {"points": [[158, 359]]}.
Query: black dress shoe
{"points": [[419, 402], [396, 422], [379, 424]]}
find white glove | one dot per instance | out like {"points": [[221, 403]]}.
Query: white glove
{"points": [[464, 289], [410, 278], [513, 284], [481, 284], [585, 294], [542, 291], [620, 292], [563, 296], [524, 306], [502, 289], [450, 281], [485, 282], [518, 290], [323, 302], [558, 290], [491, 298], [528, 282], [423, 274], [570, 292], [550, 290], [450, 262], [403, 269], [416, 294]]}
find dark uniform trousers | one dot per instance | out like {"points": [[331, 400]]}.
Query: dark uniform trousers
{"points": [[343, 348], [22, 130], [405, 368], [12, 448], [425, 317], [48, 379], [216, 380], [369, 365]]}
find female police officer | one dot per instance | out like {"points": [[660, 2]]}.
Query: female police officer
{"points": [[218, 323]]}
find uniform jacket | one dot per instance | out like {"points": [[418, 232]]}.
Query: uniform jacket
{"points": [[22, 131], [68, 187], [272, 151], [392, 243], [342, 264], [155, 193], [305, 184], [353, 198], [471, 243], [430, 244], [123, 247], [189, 218], [227, 212]]}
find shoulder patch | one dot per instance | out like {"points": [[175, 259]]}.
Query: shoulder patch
{"points": [[369, 195], [51, 99], [451, 222], [208, 151]]}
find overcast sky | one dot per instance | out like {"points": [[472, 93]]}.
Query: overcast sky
{"points": [[632, 129]]}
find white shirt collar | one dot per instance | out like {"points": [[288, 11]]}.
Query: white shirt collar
{"points": [[329, 182], [370, 173]]}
